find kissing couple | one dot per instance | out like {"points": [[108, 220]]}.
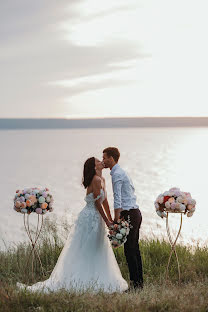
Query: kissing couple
{"points": [[87, 261]]}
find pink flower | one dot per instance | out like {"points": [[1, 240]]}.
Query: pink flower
{"points": [[173, 189], [33, 199], [171, 200], [22, 199], [17, 204], [44, 194], [167, 204], [173, 206], [187, 194], [23, 205], [38, 210], [189, 207]]}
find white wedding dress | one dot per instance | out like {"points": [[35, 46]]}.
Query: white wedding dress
{"points": [[87, 261]]}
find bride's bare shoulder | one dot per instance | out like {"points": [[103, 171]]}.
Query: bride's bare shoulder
{"points": [[96, 180]]}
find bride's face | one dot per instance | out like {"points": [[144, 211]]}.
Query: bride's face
{"points": [[98, 164]]}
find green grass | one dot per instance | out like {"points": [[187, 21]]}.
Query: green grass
{"points": [[191, 295]]}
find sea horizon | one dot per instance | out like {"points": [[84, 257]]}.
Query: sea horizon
{"points": [[102, 122]]}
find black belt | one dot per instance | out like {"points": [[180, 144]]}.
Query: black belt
{"points": [[126, 211]]}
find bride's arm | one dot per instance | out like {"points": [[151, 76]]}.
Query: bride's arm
{"points": [[107, 209], [96, 183], [106, 205]]}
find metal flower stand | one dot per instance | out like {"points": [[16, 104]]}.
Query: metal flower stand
{"points": [[173, 246], [33, 240]]}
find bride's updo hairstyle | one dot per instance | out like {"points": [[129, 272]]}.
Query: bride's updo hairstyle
{"points": [[88, 172]]}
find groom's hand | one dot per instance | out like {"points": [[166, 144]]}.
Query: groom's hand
{"points": [[117, 214]]}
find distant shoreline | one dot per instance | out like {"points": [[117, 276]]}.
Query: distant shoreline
{"points": [[132, 122]]}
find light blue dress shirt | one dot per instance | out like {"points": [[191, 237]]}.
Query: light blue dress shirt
{"points": [[123, 189]]}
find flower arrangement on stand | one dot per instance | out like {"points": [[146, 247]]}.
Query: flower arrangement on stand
{"points": [[38, 201], [34, 199], [174, 201]]}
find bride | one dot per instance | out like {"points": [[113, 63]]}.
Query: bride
{"points": [[87, 261]]}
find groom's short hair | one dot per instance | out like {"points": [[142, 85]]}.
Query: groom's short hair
{"points": [[112, 151]]}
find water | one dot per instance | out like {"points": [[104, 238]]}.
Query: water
{"points": [[155, 158]]}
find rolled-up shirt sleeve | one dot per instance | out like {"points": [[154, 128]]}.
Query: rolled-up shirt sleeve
{"points": [[117, 184]]}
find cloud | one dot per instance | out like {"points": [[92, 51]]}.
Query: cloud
{"points": [[34, 51]]}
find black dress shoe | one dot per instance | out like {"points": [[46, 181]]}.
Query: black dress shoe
{"points": [[137, 286]]}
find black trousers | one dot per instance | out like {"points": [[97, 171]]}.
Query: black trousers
{"points": [[131, 247]]}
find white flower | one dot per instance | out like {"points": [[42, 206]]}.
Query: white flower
{"points": [[159, 213], [41, 199], [193, 202], [48, 199], [157, 206], [179, 199], [160, 200], [167, 204], [123, 231], [23, 210], [171, 193], [182, 207], [119, 236], [52, 200]]}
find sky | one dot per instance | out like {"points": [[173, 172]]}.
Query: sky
{"points": [[112, 58]]}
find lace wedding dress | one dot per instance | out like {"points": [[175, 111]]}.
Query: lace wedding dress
{"points": [[87, 261]]}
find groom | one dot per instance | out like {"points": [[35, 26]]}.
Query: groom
{"points": [[124, 206]]}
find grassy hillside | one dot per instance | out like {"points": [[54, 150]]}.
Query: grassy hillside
{"points": [[191, 295]]}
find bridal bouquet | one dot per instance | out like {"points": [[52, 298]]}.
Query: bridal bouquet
{"points": [[175, 201], [33, 200], [118, 232]]}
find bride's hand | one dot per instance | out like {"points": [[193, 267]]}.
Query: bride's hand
{"points": [[109, 224]]}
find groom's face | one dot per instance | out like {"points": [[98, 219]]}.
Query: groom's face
{"points": [[107, 161]]}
